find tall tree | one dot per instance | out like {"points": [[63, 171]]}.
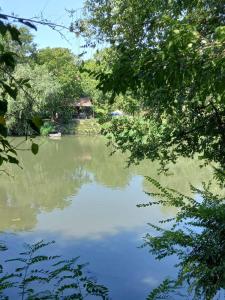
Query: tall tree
{"points": [[9, 86], [91, 82], [42, 97], [63, 65]]}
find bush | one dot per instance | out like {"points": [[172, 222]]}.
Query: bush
{"points": [[196, 237], [47, 128]]}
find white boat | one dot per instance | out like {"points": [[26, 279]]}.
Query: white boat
{"points": [[55, 135]]}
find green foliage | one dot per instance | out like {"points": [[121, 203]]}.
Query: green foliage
{"points": [[7, 65], [25, 49], [63, 66], [170, 54], [64, 69], [13, 43], [41, 96], [91, 84], [138, 135], [195, 236], [164, 290], [87, 127], [57, 278], [47, 128], [101, 112], [34, 148]]}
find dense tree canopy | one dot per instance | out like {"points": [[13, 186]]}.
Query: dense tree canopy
{"points": [[91, 83], [24, 49], [171, 55], [9, 86], [63, 65], [42, 98]]}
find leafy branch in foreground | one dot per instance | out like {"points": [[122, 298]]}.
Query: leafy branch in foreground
{"points": [[170, 55], [196, 237], [38, 276], [9, 88]]}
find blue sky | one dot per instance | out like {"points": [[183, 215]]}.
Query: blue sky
{"points": [[53, 10]]}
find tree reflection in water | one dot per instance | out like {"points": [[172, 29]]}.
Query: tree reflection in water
{"points": [[62, 167]]}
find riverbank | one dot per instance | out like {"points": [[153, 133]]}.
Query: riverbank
{"points": [[79, 127]]}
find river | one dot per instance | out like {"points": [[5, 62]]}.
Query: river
{"points": [[75, 193]]}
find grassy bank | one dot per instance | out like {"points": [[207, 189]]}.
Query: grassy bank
{"points": [[78, 127]]}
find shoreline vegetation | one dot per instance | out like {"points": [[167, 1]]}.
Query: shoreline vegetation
{"points": [[89, 127], [81, 127]]}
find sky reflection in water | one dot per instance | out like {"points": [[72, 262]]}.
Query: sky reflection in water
{"points": [[73, 192]]}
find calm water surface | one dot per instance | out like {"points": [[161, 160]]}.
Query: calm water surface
{"points": [[75, 193]]}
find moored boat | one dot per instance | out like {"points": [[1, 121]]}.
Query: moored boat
{"points": [[55, 135]]}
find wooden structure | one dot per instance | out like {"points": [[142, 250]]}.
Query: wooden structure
{"points": [[84, 108]]}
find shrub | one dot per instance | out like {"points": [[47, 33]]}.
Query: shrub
{"points": [[47, 128]]}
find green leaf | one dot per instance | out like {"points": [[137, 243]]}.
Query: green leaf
{"points": [[8, 59], [12, 159], [3, 28], [220, 33], [15, 33], [3, 131], [1, 160], [36, 123], [9, 90], [3, 107], [34, 148], [2, 120]]}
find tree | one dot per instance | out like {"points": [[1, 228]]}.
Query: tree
{"points": [[170, 54], [63, 65], [9, 88], [42, 98], [25, 50], [90, 81], [14, 42]]}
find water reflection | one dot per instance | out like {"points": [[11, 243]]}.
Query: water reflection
{"points": [[75, 193], [108, 190], [115, 261], [34, 273]]}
